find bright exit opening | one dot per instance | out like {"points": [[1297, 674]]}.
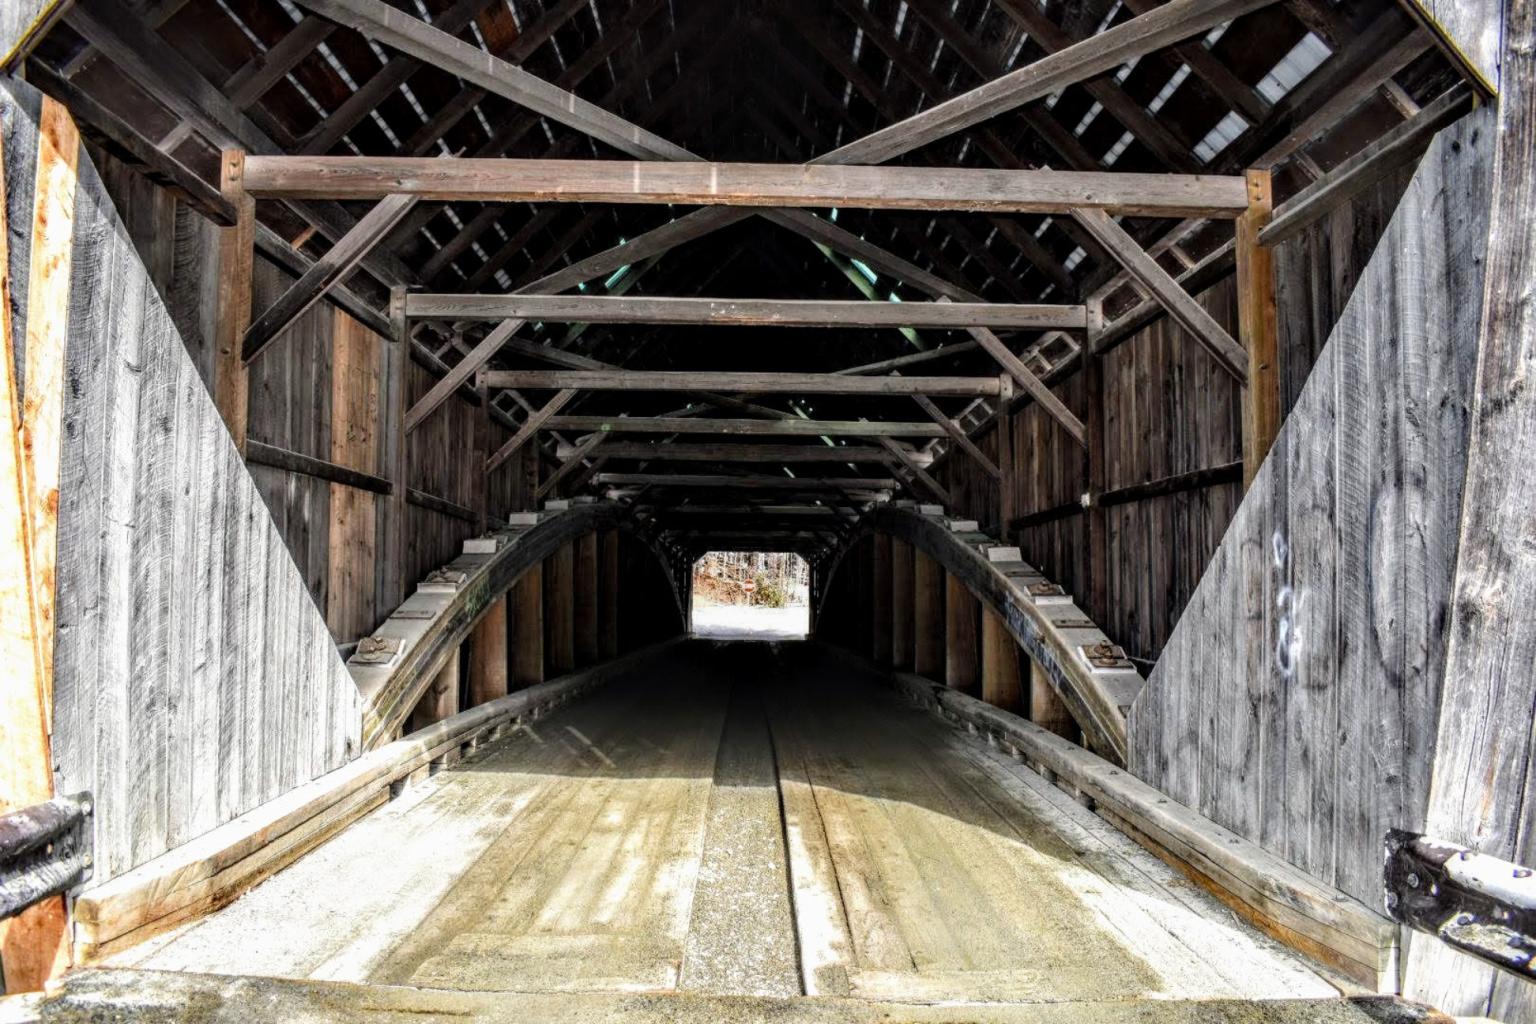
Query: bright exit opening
{"points": [[751, 595]]}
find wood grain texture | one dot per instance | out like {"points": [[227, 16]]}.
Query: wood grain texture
{"points": [[194, 676], [1294, 702]]}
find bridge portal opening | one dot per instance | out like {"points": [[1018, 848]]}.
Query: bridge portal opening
{"points": [[751, 595]]}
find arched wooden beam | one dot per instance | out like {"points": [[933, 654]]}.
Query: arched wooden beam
{"points": [[393, 667], [1084, 667]]}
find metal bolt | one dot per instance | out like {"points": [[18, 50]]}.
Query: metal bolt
{"points": [[1522, 872], [1413, 880], [1464, 919]]}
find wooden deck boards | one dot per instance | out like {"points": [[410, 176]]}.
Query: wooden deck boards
{"points": [[747, 820]]}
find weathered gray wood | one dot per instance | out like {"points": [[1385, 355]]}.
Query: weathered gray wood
{"points": [[1484, 777], [779, 427], [1171, 23], [734, 184], [788, 453], [755, 383], [739, 312], [325, 273], [760, 483], [1292, 701], [296, 462], [23, 23], [195, 678]]}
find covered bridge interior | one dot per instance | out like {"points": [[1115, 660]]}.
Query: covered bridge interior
{"points": [[1142, 381]]}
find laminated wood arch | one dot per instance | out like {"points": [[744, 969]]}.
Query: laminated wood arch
{"points": [[393, 667], [1083, 666]]}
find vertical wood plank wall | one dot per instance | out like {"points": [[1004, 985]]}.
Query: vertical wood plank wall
{"points": [[1297, 700], [194, 676], [317, 390]]}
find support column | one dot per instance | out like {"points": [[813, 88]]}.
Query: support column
{"points": [[528, 628], [237, 253], [1007, 482], [962, 637], [488, 656], [559, 612], [608, 595], [441, 698], [901, 605], [482, 451], [928, 617], [1000, 684], [584, 593], [1097, 598], [1258, 327], [1045, 705], [391, 582], [880, 603]]}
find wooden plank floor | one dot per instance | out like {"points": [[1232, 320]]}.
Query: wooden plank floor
{"points": [[741, 819]]}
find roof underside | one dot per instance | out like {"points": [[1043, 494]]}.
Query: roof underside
{"points": [[776, 81]]}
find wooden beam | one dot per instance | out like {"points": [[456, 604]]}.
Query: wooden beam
{"points": [[604, 309], [260, 454], [754, 483], [696, 183], [913, 359], [488, 658], [407, 34], [122, 139], [442, 506], [786, 453], [962, 637], [34, 945], [1046, 708], [904, 457], [928, 617], [560, 611], [1188, 313], [1258, 327], [569, 465], [326, 272], [537, 420], [393, 457], [957, 434], [755, 383], [528, 628], [1171, 23], [236, 266], [1000, 683], [744, 427], [1395, 148], [1094, 468]]}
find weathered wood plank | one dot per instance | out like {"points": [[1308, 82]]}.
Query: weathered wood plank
{"points": [[737, 184], [756, 383], [779, 427]]}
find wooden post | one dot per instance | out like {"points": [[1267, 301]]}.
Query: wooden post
{"points": [[962, 669], [880, 603], [1000, 685], [585, 600], [237, 254], [394, 586], [1097, 598], [441, 698], [488, 656], [1045, 705], [559, 613], [1258, 327], [928, 617], [608, 595], [1007, 507], [901, 605], [481, 477], [34, 945], [528, 628]]}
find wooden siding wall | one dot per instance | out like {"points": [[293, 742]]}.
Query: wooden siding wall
{"points": [[1297, 701], [194, 677], [318, 390], [1168, 411]]}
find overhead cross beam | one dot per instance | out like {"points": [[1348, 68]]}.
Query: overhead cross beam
{"points": [[785, 453], [754, 383], [744, 427], [745, 184], [741, 312]]}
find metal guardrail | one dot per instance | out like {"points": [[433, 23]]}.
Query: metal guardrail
{"points": [[45, 850], [1479, 904]]}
